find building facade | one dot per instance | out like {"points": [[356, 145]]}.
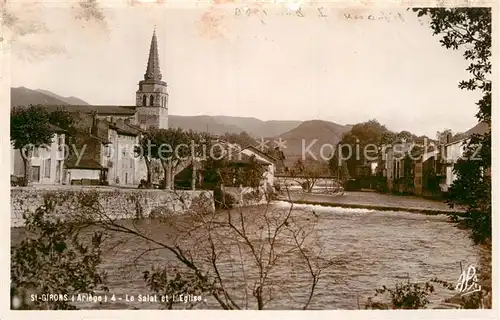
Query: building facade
{"points": [[152, 96], [454, 150], [47, 163], [105, 152]]}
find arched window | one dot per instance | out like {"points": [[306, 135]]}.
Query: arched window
{"points": [[144, 100], [151, 100]]}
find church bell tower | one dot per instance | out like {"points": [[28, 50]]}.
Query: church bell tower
{"points": [[152, 96]]}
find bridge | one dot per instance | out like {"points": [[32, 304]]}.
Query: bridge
{"points": [[322, 182]]}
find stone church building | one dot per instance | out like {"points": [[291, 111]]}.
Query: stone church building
{"points": [[113, 131]]}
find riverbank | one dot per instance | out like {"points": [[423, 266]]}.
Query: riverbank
{"points": [[371, 200]]}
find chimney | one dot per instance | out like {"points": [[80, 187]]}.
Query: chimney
{"points": [[93, 127], [448, 137]]}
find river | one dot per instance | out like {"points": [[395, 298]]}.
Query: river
{"points": [[370, 249]]}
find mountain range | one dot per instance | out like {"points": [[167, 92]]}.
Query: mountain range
{"points": [[295, 135]]}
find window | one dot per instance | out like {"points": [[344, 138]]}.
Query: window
{"points": [[144, 100], [60, 142], [151, 100], [107, 151], [47, 168], [35, 173], [58, 171]]}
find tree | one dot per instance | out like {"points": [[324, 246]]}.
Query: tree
{"points": [[173, 148], [337, 166], [29, 129], [64, 120], [243, 139], [388, 137], [142, 150], [54, 259], [355, 142], [405, 135], [444, 136], [307, 172], [469, 30], [241, 258]]}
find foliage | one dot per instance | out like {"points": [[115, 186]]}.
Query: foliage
{"points": [[403, 296], [469, 30], [307, 172], [251, 174], [143, 150], [161, 282], [53, 260], [224, 200], [442, 137], [64, 120], [354, 142], [237, 257], [405, 135], [30, 126], [172, 148], [338, 168], [472, 190], [416, 296], [243, 139]]}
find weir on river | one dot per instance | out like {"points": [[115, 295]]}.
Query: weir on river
{"points": [[369, 248]]}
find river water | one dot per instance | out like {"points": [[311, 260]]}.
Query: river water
{"points": [[369, 249]]}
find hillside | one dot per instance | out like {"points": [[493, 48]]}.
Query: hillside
{"points": [[68, 100], [326, 133], [257, 127], [293, 132], [202, 124], [23, 96]]}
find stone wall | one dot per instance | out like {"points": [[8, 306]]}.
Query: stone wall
{"points": [[74, 201], [246, 196]]}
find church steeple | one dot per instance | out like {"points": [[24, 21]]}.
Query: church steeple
{"points": [[153, 69], [152, 96]]}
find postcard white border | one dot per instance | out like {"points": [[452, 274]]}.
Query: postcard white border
{"points": [[6, 313]]}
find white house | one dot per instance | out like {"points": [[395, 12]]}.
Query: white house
{"points": [[393, 156], [107, 156], [268, 177], [47, 162], [124, 168], [454, 150]]}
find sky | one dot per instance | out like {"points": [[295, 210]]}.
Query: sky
{"points": [[272, 66]]}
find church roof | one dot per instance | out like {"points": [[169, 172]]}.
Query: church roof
{"points": [[102, 110], [125, 130], [85, 163], [153, 68]]}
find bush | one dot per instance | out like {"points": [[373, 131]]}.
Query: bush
{"points": [[53, 260], [277, 187], [403, 296], [352, 185], [224, 200]]}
